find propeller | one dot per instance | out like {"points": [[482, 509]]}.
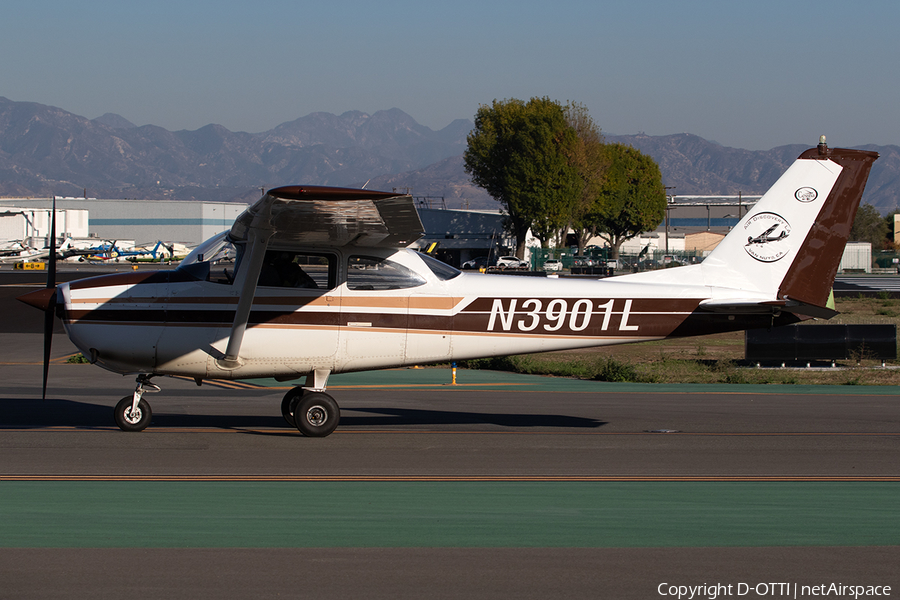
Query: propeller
{"points": [[45, 299], [51, 305]]}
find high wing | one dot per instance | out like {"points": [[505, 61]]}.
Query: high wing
{"points": [[325, 216], [317, 216]]}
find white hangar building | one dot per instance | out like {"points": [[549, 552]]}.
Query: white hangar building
{"points": [[144, 221], [29, 224]]}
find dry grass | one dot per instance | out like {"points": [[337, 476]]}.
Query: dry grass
{"points": [[713, 359]]}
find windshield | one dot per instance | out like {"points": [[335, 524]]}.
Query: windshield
{"points": [[214, 260], [215, 249]]}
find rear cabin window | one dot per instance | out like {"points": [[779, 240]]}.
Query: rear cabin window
{"points": [[441, 270], [370, 273], [298, 270]]}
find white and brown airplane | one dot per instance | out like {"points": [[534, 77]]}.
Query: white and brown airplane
{"points": [[322, 281]]}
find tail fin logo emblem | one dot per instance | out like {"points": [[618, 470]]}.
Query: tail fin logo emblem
{"points": [[766, 235], [806, 194]]}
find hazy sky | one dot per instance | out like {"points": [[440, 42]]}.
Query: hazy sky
{"points": [[751, 75]]}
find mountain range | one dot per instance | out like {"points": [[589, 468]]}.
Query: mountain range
{"points": [[47, 151]]}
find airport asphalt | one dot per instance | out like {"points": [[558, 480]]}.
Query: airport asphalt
{"points": [[502, 486]]}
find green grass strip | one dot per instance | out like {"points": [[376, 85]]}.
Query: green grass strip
{"points": [[446, 514]]}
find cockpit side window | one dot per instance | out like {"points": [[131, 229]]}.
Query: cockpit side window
{"points": [[283, 268], [371, 273]]}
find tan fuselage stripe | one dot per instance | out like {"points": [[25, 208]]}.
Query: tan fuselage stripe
{"points": [[412, 302]]}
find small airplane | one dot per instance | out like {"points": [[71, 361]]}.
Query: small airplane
{"points": [[764, 238], [28, 254], [159, 252], [323, 281], [107, 251], [110, 251], [15, 250]]}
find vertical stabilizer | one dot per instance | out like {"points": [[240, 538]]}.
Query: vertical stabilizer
{"points": [[811, 275], [789, 245]]}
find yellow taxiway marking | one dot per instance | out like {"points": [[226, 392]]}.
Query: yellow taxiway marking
{"points": [[59, 360], [459, 478], [365, 431], [428, 385]]}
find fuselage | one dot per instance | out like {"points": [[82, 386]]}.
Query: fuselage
{"points": [[369, 309]]}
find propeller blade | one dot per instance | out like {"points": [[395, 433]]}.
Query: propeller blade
{"points": [[51, 262], [49, 314]]}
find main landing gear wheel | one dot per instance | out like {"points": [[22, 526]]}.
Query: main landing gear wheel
{"points": [[316, 414], [129, 420]]}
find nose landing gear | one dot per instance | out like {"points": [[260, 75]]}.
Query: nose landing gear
{"points": [[132, 413]]}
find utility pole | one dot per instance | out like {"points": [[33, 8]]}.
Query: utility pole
{"points": [[669, 200]]}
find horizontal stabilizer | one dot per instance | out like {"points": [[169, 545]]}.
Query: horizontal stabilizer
{"points": [[753, 307]]}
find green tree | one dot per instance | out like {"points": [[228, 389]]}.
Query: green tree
{"points": [[890, 242], [592, 162], [869, 226], [520, 153], [632, 197]]}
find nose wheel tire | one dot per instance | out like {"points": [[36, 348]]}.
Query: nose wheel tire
{"points": [[132, 421], [316, 414]]}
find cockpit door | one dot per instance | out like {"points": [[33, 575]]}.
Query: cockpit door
{"points": [[375, 310]]}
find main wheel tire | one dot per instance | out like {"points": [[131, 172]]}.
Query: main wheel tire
{"points": [[132, 422], [287, 404], [316, 414]]}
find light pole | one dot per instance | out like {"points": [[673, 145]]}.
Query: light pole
{"points": [[669, 200]]}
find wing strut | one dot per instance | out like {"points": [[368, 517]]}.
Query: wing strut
{"points": [[257, 242]]}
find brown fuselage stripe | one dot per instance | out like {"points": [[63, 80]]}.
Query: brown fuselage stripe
{"points": [[651, 325]]}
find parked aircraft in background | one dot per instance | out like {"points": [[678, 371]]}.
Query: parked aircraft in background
{"points": [[13, 248], [108, 251], [111, 251], [324, 282], [28, 254], [161, 251], [16, 251]]}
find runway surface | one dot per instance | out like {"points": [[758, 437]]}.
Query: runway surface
{"points": [[851, 285], [500, 487]]}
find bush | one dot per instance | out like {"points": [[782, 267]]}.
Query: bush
{"points": [[612, 370], [605, 369]]}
